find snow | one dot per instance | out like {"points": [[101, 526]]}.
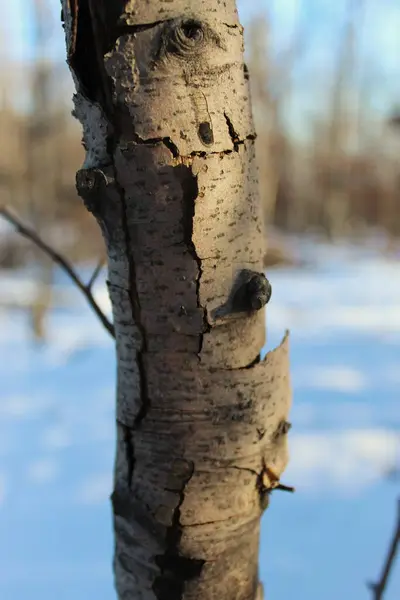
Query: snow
{"points": [[57, 435]]}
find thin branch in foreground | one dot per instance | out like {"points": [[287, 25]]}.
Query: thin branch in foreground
{"points": [[95, 273], [31, 235], [378, 589]]}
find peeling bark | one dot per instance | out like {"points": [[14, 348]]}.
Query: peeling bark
{"points": [[170, 175]]}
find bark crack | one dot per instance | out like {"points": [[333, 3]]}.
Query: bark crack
{"points": [[233, 135], [203, 154], [252, 364], [136, 312], [167, 141], [247, 469], [190, 194], [236, 141], [232, 25], [176, 569], [136, 319]]}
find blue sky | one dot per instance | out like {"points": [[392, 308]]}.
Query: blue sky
{"points": [[321, 23]]}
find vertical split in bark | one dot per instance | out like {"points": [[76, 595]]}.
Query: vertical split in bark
{"points": [[170, 176]]}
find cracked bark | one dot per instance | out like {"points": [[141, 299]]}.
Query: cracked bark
{"points": [[170, 176]]}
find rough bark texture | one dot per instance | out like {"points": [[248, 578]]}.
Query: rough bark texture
{"points": [[170, 175]]}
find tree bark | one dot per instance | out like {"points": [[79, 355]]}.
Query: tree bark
{"points": [[170, 175]]}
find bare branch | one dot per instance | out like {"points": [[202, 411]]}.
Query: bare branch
{"points": [[285, 488], [378, 589], [95, 273], [31, 235]]}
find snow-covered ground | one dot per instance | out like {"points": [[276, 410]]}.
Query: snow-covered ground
{"points": [[322, 543]]}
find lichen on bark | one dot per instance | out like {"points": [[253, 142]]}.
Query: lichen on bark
{"points": [[163, 98]]}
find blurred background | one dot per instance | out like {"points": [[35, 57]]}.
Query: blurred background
{"points": [[325, 82]]}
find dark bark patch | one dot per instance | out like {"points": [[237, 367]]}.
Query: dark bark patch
{"points": [[206, 134], [91, 186], [82, 53], [176, 569], [129, 452], [254, 294], [251, 291], [283, 429], [258, 291]]}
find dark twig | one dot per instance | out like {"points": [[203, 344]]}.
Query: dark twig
{"points": [[378, 589], [95, 273], [285, 488], [31, 235]]}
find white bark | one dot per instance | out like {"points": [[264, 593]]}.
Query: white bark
{"points": [[201, 421]]}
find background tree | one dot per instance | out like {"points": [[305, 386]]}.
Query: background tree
{"points": [[162, 95]]}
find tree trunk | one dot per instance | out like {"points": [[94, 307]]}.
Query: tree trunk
{"points": [[170, 175]]}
